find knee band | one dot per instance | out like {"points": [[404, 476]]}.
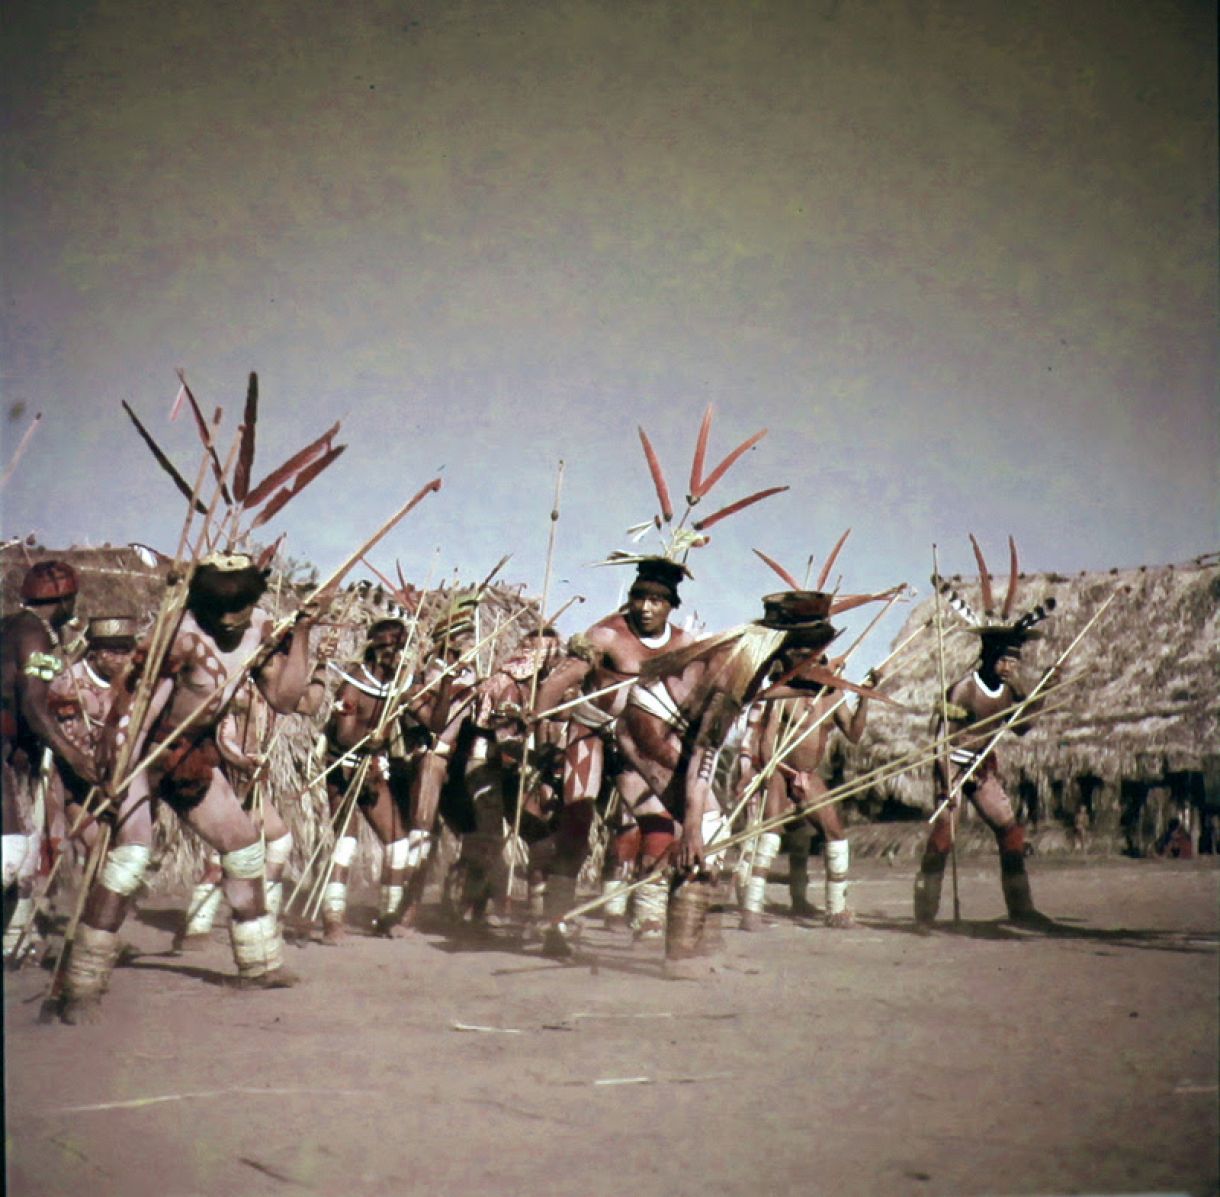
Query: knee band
{"points": [[345, 851], [398, 854], [420, 847], [124, 868], [244, 864], [279, 850], [15, 850]]}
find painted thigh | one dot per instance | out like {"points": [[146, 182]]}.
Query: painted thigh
{"points": [[583, 760], [992, 803]]}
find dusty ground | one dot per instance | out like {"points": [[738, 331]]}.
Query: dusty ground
{"points": [[976, 1060]]}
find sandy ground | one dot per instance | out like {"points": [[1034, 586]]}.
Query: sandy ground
{"points": [[975, 1060]]}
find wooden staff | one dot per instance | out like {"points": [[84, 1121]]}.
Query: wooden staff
{"points": [[530, 736], [943, 759], [956, 787]]}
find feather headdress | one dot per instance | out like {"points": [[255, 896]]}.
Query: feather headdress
{"points": [[1001, 629], [678, 539], [239, 499], [838, 602]]}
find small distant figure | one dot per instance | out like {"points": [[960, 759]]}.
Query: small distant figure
{"points": [[1175, 843], [1080, 829]]}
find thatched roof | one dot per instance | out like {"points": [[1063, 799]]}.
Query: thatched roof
{"points": [[113, 581], [1147, 703]]}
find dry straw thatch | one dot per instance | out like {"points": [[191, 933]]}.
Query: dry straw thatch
{"points": [[1146, 705]]}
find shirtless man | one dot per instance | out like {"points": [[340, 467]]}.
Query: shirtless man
{"points": [[492, 748], [794, 784], [613, 650], [364, 690], [81, 699], [992, 688], [32, 658], [707, 685], [221, 633]]}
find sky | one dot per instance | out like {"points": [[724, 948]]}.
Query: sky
{"points": [[960, 260]]}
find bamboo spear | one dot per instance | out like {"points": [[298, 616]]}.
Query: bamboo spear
{"points": [[944, 722], [530, 735]]}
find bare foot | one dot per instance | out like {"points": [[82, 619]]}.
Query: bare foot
{"points": [[843, 920], [75, 1012], [334, 933], [277, 978]]}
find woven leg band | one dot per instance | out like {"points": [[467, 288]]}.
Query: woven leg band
{"points": [[90, 963], [838, 858], [257, 945], [201, 914], [764, 858]]}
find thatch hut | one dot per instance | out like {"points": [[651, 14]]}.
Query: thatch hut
{"points": [[1137, 740]]}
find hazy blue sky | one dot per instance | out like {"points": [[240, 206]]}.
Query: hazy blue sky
{"points": [[960, 258]]}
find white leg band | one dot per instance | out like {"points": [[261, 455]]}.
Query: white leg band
{"points": [[617, 905], [334, 897], [245, 864], [398, 855], [838, 858], [258, 947], [273, 895], [650, 902], [201, 914], [391, 901], [16, 847], [764, 857], [421, 847], [279, 850], [538, 898], [345, 851], [124, 868]]}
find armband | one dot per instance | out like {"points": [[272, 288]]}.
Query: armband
{"points": [[583, 649], [955, 713], [43, 665]]}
